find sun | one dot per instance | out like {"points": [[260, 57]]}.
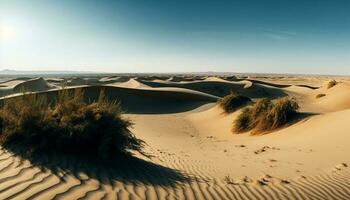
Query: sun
{"points": [[7, 32]]}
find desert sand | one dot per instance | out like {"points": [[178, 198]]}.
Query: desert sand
{"points": [[194, 154]]}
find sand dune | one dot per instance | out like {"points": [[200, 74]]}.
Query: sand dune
{"points": [[202, 143], [219, 87], [195, 154], [147, 100], [282, 85], [55, 81], [114, 79], [336, 99], [24, 85], [313, 81], [231, 78], [77, 81], [131, 83], [152, 78], [13, 82], [33, 85], [184, 78]]}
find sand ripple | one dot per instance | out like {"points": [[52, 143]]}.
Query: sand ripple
{"points": [[22, 180]]}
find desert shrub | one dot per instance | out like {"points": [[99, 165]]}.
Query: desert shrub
{"points": [[69, 125], [320, 96], [242, 122], [331, 84], [266, 115], [233, 102]]}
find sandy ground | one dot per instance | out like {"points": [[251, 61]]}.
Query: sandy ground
{"points": [[195, 154]]}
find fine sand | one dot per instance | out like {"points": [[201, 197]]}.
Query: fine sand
{"points": [[194, 153]]}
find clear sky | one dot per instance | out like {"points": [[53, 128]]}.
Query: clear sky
{"points": [[271, 36]]}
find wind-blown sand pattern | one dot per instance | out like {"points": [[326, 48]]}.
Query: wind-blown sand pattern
{"points": [[194, 154]]}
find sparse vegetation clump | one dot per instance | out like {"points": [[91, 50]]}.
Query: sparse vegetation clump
{"points": [[266, 115], [331, 84], [320, 96], [233, 102], [69, 125]]}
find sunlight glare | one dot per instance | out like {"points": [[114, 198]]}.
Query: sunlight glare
{"points": [[7, 32]]}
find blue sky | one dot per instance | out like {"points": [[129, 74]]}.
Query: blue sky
{"points": [[310, 37]]}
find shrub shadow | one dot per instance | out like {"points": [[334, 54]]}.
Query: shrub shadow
{"points": [[298, 117], [301, 117], [126, 168]]}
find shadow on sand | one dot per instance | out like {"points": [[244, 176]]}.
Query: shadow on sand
{"points": [[126, 169], [299, 117]]}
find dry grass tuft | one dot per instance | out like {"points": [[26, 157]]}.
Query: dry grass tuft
{"points": [[331, 84], [69, 125], [320, 96], [233, 102], [266, 115]]}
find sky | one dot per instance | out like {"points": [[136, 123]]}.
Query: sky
{"points": [[270, 36]]}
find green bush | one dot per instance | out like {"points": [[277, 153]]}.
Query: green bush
{"points": [[69, 125], [232, 102], [266, 115]]}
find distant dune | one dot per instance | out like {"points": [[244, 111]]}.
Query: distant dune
{"points": [[220, 87], [24, 85]]}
